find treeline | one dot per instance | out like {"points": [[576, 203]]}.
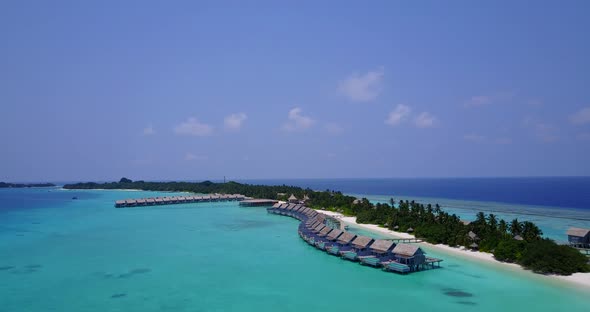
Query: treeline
{"points": [[205, 187], [20, 185], [514, 241]]}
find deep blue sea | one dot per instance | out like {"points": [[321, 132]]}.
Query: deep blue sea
{"points": [[563, 192]]}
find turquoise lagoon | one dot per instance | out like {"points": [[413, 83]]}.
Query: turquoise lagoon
{"points": [[59, 254]]}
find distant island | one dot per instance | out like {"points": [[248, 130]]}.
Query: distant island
{"points": [[514, 241], [20, 185]]}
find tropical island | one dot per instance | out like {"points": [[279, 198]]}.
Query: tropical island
{"points": [[509, 241], [21, 185]]}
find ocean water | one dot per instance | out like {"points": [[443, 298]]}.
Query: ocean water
{"points": [[560, 192], [59, 254]]}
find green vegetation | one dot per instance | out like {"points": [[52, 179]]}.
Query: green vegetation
{"points": [[517, 242], [18, 185], [206, 187]]}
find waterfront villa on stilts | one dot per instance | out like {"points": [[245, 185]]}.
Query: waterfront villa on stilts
{"points": [[325, 233]]}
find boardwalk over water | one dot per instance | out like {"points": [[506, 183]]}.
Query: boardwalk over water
{"points": [[171, 200]]}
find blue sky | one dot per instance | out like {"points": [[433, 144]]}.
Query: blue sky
{"points": [[199, 90]]}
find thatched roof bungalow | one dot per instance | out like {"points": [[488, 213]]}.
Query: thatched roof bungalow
{"points": [[382, 246], [318, 228], [325, 231], [346, 238], [334, 234], [578, 236], [292, 199], [362, 242]]}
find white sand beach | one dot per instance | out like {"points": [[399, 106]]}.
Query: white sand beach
{"points": [[577, 279]]}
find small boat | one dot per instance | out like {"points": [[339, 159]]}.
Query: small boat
{"points": [[75, 197]]}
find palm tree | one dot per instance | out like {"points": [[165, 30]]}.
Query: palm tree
{"points": [[503, 227], [515, 227], [530, 231], [493, 222]]}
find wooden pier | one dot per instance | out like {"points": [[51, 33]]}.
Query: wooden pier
{"points": [[406, 240], [158, 201], [258, 202]]}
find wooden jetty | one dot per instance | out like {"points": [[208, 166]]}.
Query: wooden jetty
{"points": [[258, 202], [393, 255], [170, 200]]}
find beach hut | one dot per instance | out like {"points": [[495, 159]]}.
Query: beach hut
{"points": [[410, 230], [396, 228], [578, 237], [472, 236], [359, 248], [292, 199], [518, 237], [342, 243], [474, 246], [409, 255], [380, 250]]}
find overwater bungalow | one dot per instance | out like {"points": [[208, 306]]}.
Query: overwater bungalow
{"points": [[342, 243], [578, 237], [159, 201], [130, 203], [380, 252], [359, 248], [120, 203], [150, 201], [408, 255]]}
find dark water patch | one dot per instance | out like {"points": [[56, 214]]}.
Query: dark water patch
{"points": [[23, 271], [20, 234], [452, 292], [469, 303], [120, 295], [140, 271], [33, 266], [133, 272], [35, 222], [5, 268], [453, 266]]}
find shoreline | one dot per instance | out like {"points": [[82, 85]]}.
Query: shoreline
{"points": [[576, 279]]}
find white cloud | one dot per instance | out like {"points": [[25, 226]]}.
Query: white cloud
{"points": [[191, 157], [234, 121], [581, 117], [503, 141], [362, 88], [397, 115], [484, 100], [477, 101], [334, 129], [297, 121], [474, 137], [425, 120], [149, 130], [193, 127]]}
